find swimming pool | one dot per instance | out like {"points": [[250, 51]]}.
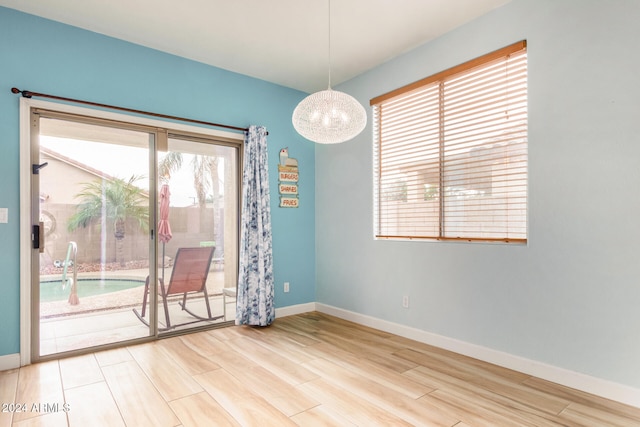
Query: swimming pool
{"points": [[51, 290]]}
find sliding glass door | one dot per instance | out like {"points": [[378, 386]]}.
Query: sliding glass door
{"points": [[197, 232], [134, 232], [93, 204]]}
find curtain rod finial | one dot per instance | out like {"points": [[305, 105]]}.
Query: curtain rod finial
{"points": [[25, 93]]}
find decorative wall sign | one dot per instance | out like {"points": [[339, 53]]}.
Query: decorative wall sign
{"points": [[288, 180], [288, 188], [288, 202], [286, 175]]}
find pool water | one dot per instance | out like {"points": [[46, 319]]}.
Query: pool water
{"points": [[52, 290]]}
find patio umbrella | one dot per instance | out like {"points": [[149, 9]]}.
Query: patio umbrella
{"points": [[164, 228]]}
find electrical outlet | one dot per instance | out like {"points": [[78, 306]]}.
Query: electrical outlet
{"points": [[286, 286], [405, 301]]}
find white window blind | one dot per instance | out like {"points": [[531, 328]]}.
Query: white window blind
{"points": [[450, 153]]}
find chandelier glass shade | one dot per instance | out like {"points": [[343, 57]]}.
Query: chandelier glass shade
{"points": [[329, 117]]}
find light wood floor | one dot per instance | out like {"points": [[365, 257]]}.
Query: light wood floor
{"points": [[307, 370]]}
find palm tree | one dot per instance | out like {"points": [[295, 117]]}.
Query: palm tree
{"points": [[112, 201], [205, 174], [170, 163], [205, 180]]}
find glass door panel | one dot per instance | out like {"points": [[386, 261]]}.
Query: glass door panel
{"points": [[197, 233], [94, 199]]}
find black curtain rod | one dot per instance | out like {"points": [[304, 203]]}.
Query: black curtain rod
{"points": [[29, 94]]}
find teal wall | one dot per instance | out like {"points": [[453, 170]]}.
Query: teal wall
{"points": [[570, 298], [49, 57]]}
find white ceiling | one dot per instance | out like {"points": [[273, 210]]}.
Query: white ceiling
{"points": [[281, 41]]}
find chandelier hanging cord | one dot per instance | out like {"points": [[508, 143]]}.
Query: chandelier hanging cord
{"points": [[29, 94], [329, 42]]}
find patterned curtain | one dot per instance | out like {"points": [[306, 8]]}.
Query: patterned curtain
{"points": [[255, 278]]}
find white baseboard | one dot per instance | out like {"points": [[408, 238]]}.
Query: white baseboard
{"points": [[597, 386], [9, 361], [295, 309]]}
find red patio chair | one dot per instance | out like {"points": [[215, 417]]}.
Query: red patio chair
{"points": [[189, 275]]}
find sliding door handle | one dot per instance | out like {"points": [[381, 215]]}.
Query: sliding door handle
{"points": [[37, 237], [35, 169]]}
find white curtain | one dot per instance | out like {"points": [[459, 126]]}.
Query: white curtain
{"points": [[255, 278]]}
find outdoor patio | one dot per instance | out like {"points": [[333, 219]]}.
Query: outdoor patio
{"points": [[109, 317]]}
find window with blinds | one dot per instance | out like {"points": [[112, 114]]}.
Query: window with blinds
{"points": [[450, 153]]}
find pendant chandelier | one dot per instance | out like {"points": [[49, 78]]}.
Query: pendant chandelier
{"points": [[329, 116]]}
